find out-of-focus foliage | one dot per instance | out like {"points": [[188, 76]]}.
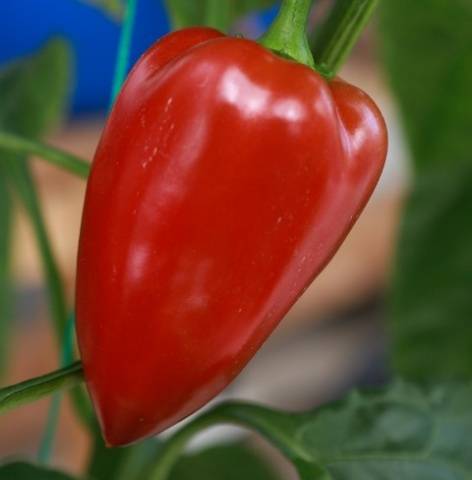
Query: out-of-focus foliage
{"points": [[5, 274], [399, 432], [126, 463], [33, 91], [26, 471], [32, 97], [228, 462], [432, 290], [427, 50], [426, 47], [219, 14]]}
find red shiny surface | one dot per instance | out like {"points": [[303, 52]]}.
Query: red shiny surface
{"points": [[225, 179]]}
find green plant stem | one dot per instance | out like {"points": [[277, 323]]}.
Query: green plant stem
{"points": [[47, 441], [67, 357], [287, 34], [20, 145], [241, 414], [124, 47], [333, 42], [31, 390]]}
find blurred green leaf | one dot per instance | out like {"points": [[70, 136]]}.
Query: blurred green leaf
{"points": [[219, 14], [111, 7], [34, 90], [26, 471], [229, 462], [432, 285], [184, 13], [402, 432], [244, 7], [427, 45], [5, 274]]}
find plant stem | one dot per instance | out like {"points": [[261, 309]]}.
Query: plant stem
{"points": [[67, 356], [33, 389], [47, 441], [20, 145], [241, 414], [124, 47], [335, 39], [174, 447], [287, 34]]}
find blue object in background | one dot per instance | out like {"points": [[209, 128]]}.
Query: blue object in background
{"points": [[25, 25]]}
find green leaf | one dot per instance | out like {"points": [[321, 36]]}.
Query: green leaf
{"points": [[402, 432], [427, 45], [229, 462], [110, 7], [26, 471], [184, 13], [34, 90], [5, 274], [219, 14], [432, 296], [244, 7]]}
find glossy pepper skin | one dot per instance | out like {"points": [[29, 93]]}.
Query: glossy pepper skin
{"points": [[225, 180]]}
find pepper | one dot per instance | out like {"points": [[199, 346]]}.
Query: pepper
{"points": [[225, 180]]}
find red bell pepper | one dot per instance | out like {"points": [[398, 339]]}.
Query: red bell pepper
{"points": [[225, 180]]}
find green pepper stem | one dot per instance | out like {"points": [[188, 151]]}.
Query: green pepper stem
{"points": [[287, 34], [333, 42], [35, 388]]}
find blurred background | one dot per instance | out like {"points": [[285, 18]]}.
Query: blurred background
{"points": [[333, 338]]}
